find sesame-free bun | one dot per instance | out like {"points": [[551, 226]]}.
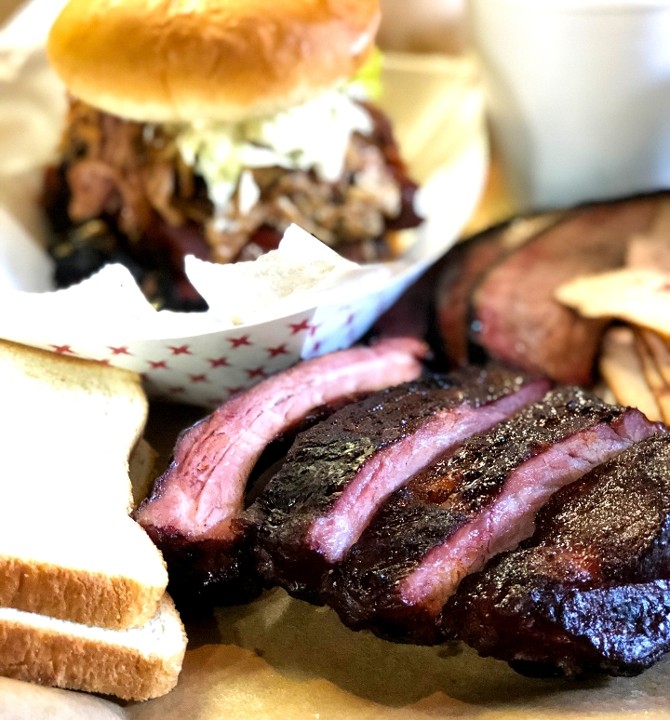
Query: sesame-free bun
{"points": [[183, 60]]}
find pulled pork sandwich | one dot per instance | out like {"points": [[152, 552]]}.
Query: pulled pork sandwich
{"points": [[206, 127]]}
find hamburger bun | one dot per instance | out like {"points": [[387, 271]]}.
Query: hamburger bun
{"points": [[185, 60]]}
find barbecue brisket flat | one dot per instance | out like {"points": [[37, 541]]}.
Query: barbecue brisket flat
{"points": [[590, 590], [339, 472], [513, 316], [450, 519], [457, 274]]}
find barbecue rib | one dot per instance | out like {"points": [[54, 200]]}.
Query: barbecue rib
{"points": [[450, 519], [339, 472], [530, 522], [591, 589], [195, 512]]}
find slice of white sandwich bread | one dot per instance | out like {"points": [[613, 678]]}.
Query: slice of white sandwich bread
{"points": [[135, 664], [82, 586]]}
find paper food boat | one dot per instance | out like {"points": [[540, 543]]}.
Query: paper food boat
{"points": [[201, 358]]}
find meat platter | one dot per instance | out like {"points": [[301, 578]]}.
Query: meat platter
{"points": [[284, 657], [360, 672], [279, 645], [287, 656]]}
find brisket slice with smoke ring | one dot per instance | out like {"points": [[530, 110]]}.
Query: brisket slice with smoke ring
{"points": [[590, 590], [339, 472], [514, 315], [456, 275], [195, 511], [450, 519]]}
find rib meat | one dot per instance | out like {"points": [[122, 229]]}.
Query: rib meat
{"points": [[590, 590], [339, 472], [470, 505], [195, 512]]}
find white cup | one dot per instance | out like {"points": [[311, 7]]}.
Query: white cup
{"points": [[578, 95]]}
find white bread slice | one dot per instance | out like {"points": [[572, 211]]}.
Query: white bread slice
{"points": [[67, 546], [142, 470], [101, 571], [135, 664], [68, 427]]}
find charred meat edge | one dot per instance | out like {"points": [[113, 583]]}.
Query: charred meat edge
{"points": [[316, 507], [590, 590], [483, 505]]}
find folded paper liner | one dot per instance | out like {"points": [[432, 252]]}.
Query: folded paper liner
{"points": [[278, 657]]}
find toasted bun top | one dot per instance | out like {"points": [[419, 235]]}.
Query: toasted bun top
{"points": [[182, 60]]}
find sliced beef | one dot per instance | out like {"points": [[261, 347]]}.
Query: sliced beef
{"points": [[338, 473], [467, 263], [514, 317], [457, 274], [195, 511], [590, 590], [480, 500]]}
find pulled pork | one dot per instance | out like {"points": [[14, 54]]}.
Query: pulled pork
{"points": [[127, 190]]}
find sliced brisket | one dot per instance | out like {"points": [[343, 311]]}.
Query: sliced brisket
{"points": [[590, 590], [195, 512], [466, 263], [514, 316], [480, 500], [457, 274], [339, 472]]}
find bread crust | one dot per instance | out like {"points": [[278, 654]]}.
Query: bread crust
{"points": [[83, 595], [184, 60], [136, 664], [69, 548], [82, 586]]}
